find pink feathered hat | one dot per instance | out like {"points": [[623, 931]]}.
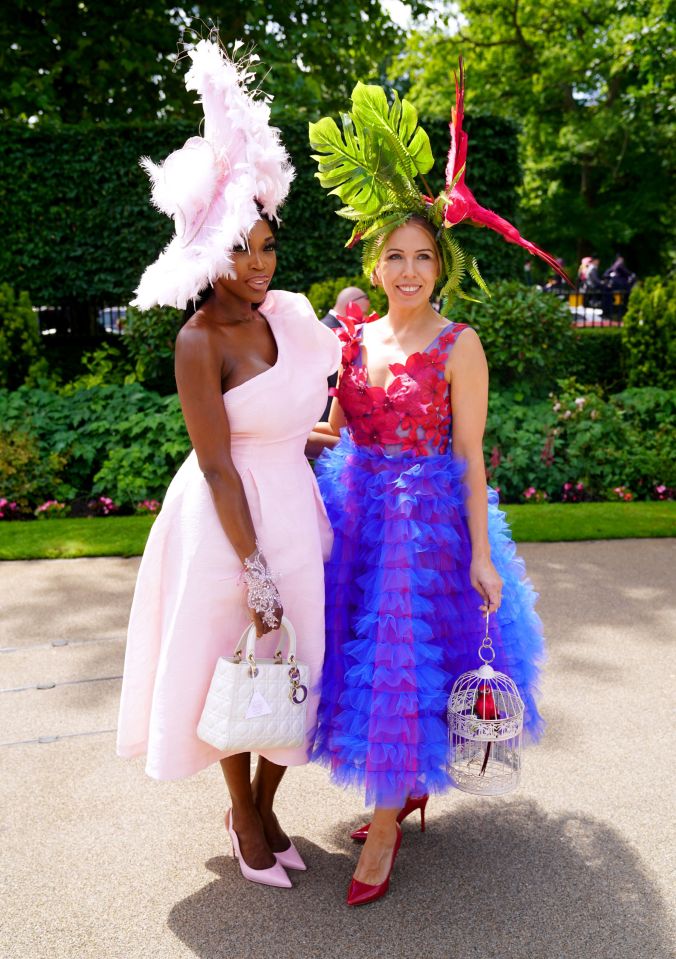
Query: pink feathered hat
{"points": [[217, 184]]}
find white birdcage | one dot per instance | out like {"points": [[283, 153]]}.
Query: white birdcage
{"points": [[485, 723]]}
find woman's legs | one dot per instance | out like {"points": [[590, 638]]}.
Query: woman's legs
{"points": [[376, 857], [264, 786], [246, 819]]}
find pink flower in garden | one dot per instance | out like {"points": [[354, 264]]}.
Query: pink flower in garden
{"points": [[103, 505], [580, 402], [148, 506], [529, 492], [495, 456], [51, 508]]}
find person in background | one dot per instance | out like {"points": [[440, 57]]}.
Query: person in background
{"points": [[351, 294], [358, 301], [592, 279], [619, 276], [582, 270]]}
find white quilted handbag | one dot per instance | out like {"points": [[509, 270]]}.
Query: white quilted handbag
{"points": [[255, 704]]}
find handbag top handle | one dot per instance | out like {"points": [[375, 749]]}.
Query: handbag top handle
{"points": [[249, 636]]}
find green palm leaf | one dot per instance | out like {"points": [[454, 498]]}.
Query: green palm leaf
{"points": [[350, 167], [397, 125], [376, 157]]}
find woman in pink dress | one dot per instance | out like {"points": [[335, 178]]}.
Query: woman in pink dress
{"points": [[242, 531]]}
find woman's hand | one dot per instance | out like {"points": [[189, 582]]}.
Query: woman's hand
{"points": [[261, 627], [487, 582]]}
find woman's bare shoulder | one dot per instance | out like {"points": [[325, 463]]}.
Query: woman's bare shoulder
{"points": [[199, 348]]}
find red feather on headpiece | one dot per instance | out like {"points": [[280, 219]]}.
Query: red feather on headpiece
{"points": [[462, 205]]}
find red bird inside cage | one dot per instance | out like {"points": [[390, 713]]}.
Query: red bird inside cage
{"points": [[485, 708]]}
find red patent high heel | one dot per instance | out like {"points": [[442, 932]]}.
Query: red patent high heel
{"points": [[411, 804], [361, 893]]}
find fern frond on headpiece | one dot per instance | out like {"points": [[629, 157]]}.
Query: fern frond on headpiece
{"points": [[372, 166]]}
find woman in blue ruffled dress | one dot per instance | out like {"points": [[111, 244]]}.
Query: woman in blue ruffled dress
{"points": [[421, 550]]}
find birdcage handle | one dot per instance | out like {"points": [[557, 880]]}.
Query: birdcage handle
{"points": [[486, 651]]}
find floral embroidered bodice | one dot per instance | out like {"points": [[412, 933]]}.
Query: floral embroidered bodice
{"points": [[413, 413]]}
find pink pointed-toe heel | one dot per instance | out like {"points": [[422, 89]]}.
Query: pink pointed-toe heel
{"points": [[290, 859], [361, 893], [273, 876], [411, 804]]}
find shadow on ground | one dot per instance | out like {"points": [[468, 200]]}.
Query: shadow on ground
{"points": [[499, 880]]}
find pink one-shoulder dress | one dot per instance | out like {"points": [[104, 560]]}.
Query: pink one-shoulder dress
{"points": [[189, 605]]}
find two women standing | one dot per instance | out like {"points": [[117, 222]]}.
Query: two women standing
{"points": [[419, 544]]}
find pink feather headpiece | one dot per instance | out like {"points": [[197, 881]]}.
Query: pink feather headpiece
{"points": [[216, 184]]}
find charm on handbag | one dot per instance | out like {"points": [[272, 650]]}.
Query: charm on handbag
{"points": [[298, 692], [485, 723]]}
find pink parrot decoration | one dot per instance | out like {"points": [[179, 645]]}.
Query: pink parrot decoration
{"points": [[461, 202]]}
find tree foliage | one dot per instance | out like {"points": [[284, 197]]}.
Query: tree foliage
{"points": [[593, 90], [72, 62]]}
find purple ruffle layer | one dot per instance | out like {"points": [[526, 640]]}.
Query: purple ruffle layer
{"points": [[403, 620]]}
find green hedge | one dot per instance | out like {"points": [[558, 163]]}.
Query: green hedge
{"points": [[598, 358], [77, 225]]}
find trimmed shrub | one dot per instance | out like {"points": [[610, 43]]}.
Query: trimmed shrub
{"points": [[150, 339], [649, 333], [26, 470], [19, 337], [527, 335]]}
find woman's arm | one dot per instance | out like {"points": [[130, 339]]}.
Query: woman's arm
{"points": [[326, 435], [198, 377], [467, 372]]}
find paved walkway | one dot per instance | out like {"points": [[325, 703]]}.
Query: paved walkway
{"points": [[98, 861]]}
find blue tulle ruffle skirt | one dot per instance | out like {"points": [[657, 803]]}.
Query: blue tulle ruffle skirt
{"points": [[402, 620]]}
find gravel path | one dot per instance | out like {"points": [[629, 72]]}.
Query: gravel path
{"points": [[97, 860]]}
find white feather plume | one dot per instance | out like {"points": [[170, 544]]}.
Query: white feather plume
{"points": [[212, 185]]}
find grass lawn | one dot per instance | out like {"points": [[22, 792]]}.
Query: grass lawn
{"points": [[543, 523], [70, 538], [565, 522]]}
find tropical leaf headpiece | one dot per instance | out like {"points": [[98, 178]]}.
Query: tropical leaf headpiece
{"points": [[372, 165]]}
